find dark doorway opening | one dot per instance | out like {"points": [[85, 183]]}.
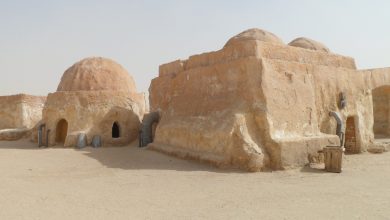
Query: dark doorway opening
{"points": [[61, 131], [115, 130], [381, 109], [351, 145]]}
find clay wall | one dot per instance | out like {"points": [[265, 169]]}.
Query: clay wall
{"points": [[255, 104], [20, 111], [94, 113]]}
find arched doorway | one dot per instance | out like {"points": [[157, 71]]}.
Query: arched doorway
{"points": [[61, 131], [115, 130], [380, 101], [351, 145], [148, 128]]}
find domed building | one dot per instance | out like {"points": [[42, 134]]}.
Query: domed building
{"points": [[259, 104], [93, 74], [309, 44], [254, 34], [96, 98]]}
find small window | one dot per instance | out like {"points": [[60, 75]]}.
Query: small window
{"points": [[115, 130]]}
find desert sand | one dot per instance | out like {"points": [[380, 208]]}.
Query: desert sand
{"points": [[136, 183]]}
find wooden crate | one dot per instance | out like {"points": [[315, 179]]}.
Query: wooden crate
{"points": [[333, 157]]}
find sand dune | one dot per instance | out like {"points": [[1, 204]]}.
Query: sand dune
{"points": [[134, 183]]}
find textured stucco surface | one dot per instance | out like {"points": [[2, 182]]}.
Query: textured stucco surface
{"points": [[20, 111], [95, 74], [19, 114], [93, 94], [257, 104]]}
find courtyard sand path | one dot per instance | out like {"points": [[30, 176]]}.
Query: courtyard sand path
{"points": [[134, 183]]}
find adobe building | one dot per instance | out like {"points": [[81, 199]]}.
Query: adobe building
{"points": [[95, 98], [259, 103], [19, 114]]}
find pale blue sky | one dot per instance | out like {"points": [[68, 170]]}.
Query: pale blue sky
{"points": [[39, 40]]}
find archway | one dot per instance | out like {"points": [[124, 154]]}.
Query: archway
{"points": [[115, 133], [380, 101], [351, 145], [148, 128], [61, 131]]}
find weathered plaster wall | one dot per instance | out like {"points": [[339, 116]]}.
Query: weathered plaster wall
{"points": [[93, 113], [20, 111], [258, 105], [381, 98], [210, 126]]}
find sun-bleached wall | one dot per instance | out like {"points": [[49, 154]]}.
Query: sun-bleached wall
{"points": [[20, 111], [258, 104], [94, 113]]}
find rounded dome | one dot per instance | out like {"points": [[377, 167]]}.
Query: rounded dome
{"points": [[255, 34], [96, 73], [310, 44]]}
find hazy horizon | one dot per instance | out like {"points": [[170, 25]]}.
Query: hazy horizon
{"points": [[41, 39]]}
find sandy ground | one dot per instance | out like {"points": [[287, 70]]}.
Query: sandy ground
{"points": [[134, 183]]}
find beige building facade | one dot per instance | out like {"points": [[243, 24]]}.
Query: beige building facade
{"points": [[259, 103]]}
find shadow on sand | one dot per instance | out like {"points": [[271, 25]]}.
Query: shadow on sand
{"points": [[128, 157], [133, 157], [313, 169], [24, 144]]}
